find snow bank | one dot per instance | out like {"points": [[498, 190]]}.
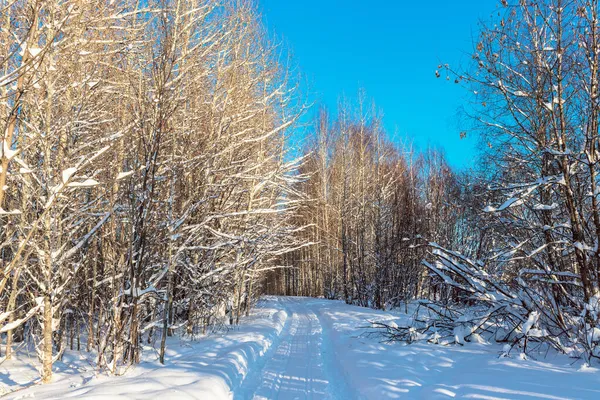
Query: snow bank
{"points": [[210, 368]]}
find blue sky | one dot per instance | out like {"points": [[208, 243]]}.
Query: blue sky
{"points": [[391, 48]]}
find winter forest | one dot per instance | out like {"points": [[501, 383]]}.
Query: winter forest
{"points": [[153, 192]]}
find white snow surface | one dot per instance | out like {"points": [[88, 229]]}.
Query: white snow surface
{"points": [[300, 348]]}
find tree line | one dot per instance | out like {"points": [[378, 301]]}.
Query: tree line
{"points": [[368, 204], [506, 252], [144, 181]]}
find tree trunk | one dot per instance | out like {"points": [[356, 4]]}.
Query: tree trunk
{"points": [[47, 343]]}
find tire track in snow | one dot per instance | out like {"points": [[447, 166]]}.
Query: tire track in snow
{"points": [[334, 370], [296, 368]]}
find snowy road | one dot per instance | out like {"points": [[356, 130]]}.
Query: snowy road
{"points": [[300, 348], [296, 367]]}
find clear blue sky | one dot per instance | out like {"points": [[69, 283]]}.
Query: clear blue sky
{"points": [[391, 48]]}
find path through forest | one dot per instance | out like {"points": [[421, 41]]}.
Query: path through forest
{"points": [[297, 366], [299, 348]]}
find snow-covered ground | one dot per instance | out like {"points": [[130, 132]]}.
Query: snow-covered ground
{"points": [[299, 348]]}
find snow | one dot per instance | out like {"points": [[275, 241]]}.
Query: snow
{"points": [[205, 369], [583, 247], [593, 336], [68, 173], [5, 315], [531, 321], [18, 322], [513, 201], [140, 292], [300, 348], [123, 175], [11, 212], [460, 333], [545, 207], [8, 152], [87, 183], [34, 51], [489, 209]]}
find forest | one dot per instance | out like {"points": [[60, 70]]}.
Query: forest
{"points": [[150, 185]]}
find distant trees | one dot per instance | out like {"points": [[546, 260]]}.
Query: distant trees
{"points": [[368, 206], [144, 183]]}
